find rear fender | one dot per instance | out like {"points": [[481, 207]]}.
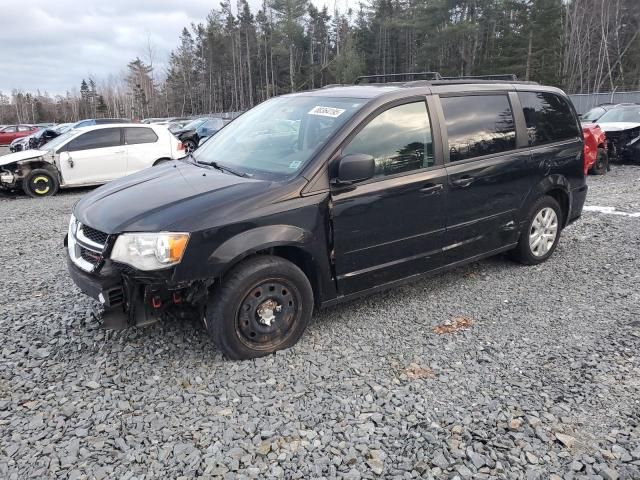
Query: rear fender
{"points": [[550, 183]]}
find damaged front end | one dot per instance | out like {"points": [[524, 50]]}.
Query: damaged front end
{"points": [[10, 176], [130, 297], [624, 144]]}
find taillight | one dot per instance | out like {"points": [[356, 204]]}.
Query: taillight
{"points": [[180, 146]]}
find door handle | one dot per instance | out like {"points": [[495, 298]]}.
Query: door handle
{"points": [[462, 182], [431, 188]]}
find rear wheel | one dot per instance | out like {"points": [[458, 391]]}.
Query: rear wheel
{"points": [[602, 163], [540, 236], [40, 183], [189, 146], [263, 305]]}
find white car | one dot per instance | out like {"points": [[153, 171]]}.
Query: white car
{"points": [[88, 156]]}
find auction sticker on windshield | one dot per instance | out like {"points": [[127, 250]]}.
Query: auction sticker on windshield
{"points": [[326, 111]]}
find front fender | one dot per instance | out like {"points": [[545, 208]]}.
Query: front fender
{"points": [[256, 239]]}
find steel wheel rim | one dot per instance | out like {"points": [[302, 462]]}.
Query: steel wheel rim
{"points": [[189, 147], [252, 314], [40, 185], [543, 232]]}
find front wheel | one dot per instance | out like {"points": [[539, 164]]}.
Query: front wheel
{"points": [[540, 236], [263, 305], [602, 163], [40, 183]]}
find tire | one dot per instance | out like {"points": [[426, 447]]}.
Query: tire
{"points": [[528, 252], [40, 183], [189, 146], [602, 163], [259, 298]]}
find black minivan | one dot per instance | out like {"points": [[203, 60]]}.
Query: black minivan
{"points": [[313, 198]]}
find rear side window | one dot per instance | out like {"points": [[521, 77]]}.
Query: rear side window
{"points": [[106, 137], [478, 125], [549, 117], [399, 139], [10, 129], [133, 136]]}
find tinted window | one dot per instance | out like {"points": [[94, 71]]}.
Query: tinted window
{"points": [[133, 136], [106, 137], [10, 129], [549, 117], [24, 128], [399, 139], [478, 125]]}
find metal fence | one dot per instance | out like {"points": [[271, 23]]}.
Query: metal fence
{"points": [[585, 101]]}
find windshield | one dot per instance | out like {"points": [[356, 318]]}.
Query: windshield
{"points": [[195, 124], [278, 137], [621, 115], [56, 142], [593, 114]]}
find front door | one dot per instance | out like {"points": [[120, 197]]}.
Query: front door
{"points": [[489, 174], [391, 226], [96, 156]]}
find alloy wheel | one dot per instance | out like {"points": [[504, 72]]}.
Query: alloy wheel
{"points": [[543, 232]]}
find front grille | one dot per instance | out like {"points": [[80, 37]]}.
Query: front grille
{"points": [[94, 235], [89, 256]]}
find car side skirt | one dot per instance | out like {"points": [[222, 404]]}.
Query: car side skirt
{"points": [[413, 278]]}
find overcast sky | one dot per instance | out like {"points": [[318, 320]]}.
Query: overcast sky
{"points": [[52, 45]]}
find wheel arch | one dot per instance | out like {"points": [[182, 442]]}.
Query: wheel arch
{"points": [[557, 187], [284, 241]]}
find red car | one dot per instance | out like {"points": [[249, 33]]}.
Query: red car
{"points": [[9, 133], [596, 159]]}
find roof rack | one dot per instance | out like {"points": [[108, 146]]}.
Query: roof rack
{"points": [[509, 77], [397, 77], [409, 79]]}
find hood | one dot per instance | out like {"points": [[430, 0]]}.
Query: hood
{"points": [[23, 155], [178, 196], [617, 126]]}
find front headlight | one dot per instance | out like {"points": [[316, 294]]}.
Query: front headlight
{"points": [[150, 251]]}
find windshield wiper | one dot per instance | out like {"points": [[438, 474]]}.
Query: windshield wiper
{"points": [[224, 168], [217, 166]]}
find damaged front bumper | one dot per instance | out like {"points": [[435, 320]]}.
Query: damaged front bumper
{"points": [[129, 297], [624, 145]]}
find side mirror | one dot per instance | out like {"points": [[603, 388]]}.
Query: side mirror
{"points": [[355, 167]]}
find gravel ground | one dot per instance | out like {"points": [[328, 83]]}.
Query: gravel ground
{"points": [[541, 382]]}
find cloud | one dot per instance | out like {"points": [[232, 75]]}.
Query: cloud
{"points": [[52, 46]]}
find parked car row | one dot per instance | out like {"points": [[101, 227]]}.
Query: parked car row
{"points": [[621, 125], [39, 137], [9, 133], [88, 156]]}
